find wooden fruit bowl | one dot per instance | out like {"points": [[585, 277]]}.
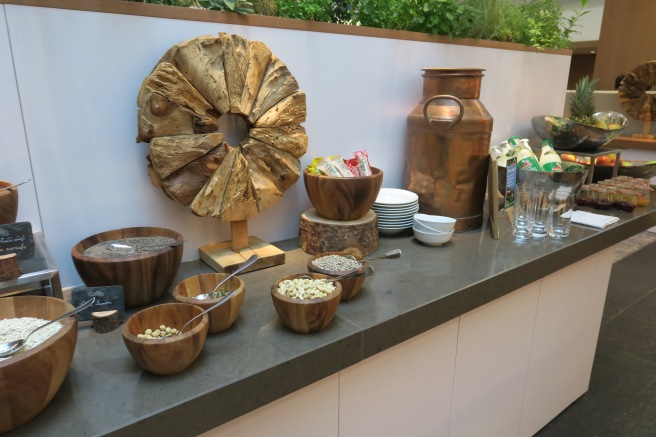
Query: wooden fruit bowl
{"points": [[170, 355], [350, 286], [343, 199], [306, 315], [144, 277], [8, 203], [224, 316], [30, 379]]}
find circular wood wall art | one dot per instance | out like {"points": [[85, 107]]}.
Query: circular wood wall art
{"points": [[179, 106], [633, 95]]}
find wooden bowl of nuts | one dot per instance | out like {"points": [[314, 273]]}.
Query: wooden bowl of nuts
{"points": [[306, 304], [153, 341], [31, 377], [338, 264], [146, 267], [223, 317]]}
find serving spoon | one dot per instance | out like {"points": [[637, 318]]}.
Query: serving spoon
{"points": [[213, 294], [11, 347], [127, 246], [14, 186], [395, 253], [368, 271], [216, 305]]}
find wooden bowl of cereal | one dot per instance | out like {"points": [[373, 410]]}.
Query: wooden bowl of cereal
{"points": [[224, 316], [31, 377], [145, 269], [337, 264], [170, 354], [315, 303]]}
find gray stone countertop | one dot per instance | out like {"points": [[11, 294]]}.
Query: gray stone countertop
{"points": [[258, 360]]}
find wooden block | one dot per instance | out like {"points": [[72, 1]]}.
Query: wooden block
{"points": [[239, 231], [223, 259], [105, 321], [9, 268], [319, 235]]}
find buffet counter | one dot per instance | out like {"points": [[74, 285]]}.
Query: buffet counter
{"points": [[477, 307]]}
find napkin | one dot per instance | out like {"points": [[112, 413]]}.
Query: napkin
{"points": [[590, 219]]}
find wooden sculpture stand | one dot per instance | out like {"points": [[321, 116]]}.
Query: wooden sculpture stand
{"points": [[645, 135], [227, 256], [319, 235]]}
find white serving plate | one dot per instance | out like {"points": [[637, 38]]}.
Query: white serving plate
{"points": [[398, 224], [395, 215], [392, 231], [395, 196]]}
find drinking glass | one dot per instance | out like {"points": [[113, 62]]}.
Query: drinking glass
{"points": [[560, 215], [523, 213]]}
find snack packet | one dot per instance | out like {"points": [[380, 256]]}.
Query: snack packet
{"points": [[334, 166], [362, 157], [312, 167], [352, 164]]}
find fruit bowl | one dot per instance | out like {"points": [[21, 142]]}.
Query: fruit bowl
{"points": [[638, 169], [570, 135]]}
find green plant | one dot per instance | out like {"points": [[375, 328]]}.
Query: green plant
{"points": [[239, 6], [311, 10], [265, 7]]}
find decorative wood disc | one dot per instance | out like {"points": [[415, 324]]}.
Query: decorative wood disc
{"points": [[633, 95], [179, 106]]}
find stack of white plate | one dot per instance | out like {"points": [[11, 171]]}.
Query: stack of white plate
{"points": [[395, 209]]}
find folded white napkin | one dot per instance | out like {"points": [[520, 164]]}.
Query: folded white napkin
{"points": [[590, 219]]}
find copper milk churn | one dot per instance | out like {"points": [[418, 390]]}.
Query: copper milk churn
{"points": [[448, 142]]}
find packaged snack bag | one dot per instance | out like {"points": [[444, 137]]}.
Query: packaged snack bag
{"points": [[363, 162], [352, 164], [312, 167]]}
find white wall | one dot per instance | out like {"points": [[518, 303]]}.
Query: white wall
{"points": [[78, 74], [589, 25]]}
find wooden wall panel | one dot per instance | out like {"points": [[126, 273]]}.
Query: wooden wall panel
{"points": [[626, 39]]}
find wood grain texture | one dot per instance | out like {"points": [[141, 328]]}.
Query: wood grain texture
{"points": [[9, 267], [350, 286], [319, 235], [291, 110], [343, 199], [169, 355], [105, 321], [200, 60], [144, 277], [30, 379], [8, 203], [277, 84], [222, 258], [290, 139], [170, 154], [224, 316], [306, 315]]}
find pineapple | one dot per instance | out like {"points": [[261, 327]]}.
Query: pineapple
{"points": [[582, 103]]}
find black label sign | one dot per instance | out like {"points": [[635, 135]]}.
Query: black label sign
{"points": [[107, 298], [17, 238]]}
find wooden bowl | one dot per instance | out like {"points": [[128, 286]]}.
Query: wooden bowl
{"points": [[170, 355], [30, 379], [224, 316], [343, 199], [350, 286], [144, 277], [8, 203], [306, 315]]}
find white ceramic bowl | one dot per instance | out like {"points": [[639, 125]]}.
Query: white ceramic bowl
{"points": [[432, 239], [438, 223]]}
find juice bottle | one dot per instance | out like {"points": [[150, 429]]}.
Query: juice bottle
{"points": [[549, 159]]}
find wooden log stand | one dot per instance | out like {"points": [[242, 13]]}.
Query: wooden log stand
{"points": [[105, 321], [319, 235], [227, 256], [9, 267]]}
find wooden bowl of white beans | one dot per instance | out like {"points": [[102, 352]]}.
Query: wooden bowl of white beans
{"points": [[337, 264], [306, 305], [170, 354], [31, 377]]}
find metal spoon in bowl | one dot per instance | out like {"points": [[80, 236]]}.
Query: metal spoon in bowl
{"points": [[216, 305], [14, 186], [12, 347], [213, 294], [395, 253], [132, 248], [368, 271]]}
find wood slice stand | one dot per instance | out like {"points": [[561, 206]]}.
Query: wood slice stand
{"points": [[227, 256], [318, 234]]}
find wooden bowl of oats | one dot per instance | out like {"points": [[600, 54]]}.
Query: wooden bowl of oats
{"points": [[337, 264], [146, 269], [31, 377]]}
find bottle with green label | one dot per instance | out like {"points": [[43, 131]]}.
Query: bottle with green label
{"points": [[549, 158], [526, 159]]}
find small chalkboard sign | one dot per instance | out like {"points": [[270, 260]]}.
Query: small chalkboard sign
{"points": [[107, 298], [17, 238]]}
